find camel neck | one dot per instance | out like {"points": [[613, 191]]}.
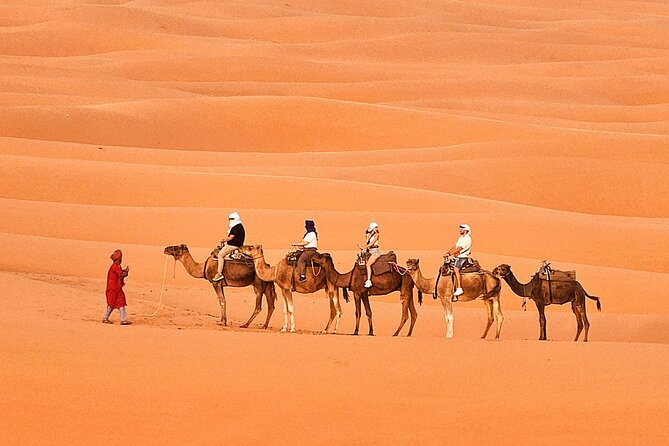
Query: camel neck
{"points": [[335, 277], [193, 268], [517, 287], [423, 284], [265, 272]]}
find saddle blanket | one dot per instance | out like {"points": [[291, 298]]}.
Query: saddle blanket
{"points": [[382, 265], [471, 267], [234, 256]]}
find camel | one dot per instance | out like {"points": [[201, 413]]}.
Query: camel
{"points": [[237, 274], [385, 283], [476, 286], [285, 276], [560, 293]]}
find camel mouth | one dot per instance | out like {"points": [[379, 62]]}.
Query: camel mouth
{"points": [[497, 272], [412, 264]]}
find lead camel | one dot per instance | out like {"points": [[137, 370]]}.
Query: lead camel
{"points": [[237, 274]]}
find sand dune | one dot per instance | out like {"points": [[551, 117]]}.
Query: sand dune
{"points": [[142, 124]]}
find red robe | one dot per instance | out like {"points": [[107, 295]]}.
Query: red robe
{"points": [[115, 294]]}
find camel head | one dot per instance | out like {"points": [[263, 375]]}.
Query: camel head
{"points": [[502, 270], [176, 251], [412, 264], [254, 251]]}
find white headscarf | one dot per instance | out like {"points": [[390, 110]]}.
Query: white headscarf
{"points": [[235, 219], [466, 228]]}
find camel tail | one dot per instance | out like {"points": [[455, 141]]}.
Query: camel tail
{"points": [[420, 297], [595, 298], [345, 291]]}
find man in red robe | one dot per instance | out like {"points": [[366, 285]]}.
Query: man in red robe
{"points": [[115, 295]]}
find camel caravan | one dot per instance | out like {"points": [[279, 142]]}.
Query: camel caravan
{"points": [[305, 270]]}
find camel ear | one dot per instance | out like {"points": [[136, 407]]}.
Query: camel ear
{"points": [[183, 247]]}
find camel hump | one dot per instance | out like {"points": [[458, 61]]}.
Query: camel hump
{"points": [[546, 272], [557, 275]]}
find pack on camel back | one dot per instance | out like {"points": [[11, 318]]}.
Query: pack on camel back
{"points": [[385, 263], [549, 275]]}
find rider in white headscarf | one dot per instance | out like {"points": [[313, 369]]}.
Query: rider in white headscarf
{"points": [[372, 246], [233, 240], [461, 251]]}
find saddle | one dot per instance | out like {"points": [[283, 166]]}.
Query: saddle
{"points": [[234, 256], [472, 266], [548, 273], [293, 256], [382, 265]]}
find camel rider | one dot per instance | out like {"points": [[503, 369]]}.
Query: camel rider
{"points": [[308, 246], [461, 252], [233, 240], [371, 246]]}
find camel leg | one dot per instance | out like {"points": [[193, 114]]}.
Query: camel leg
{"points": [[270, 296], [448, 315], [413, 313], [285, 294], [358, 312], [488, 307], [586, 322], [337, 305], [368, 312], [258, 289], [542, 321], [291, 311], [405, 316], [221, 301], [497, 307], [333, 311], [579, 322]]}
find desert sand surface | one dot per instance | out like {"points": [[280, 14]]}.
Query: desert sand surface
{"points": [[137, 125]]}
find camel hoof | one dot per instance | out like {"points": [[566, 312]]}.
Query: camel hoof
{"points": [[244, 326], [292, 330], [283, 329], [221, 323]]}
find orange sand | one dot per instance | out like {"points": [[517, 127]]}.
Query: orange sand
{"points": [[137, 125]]}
